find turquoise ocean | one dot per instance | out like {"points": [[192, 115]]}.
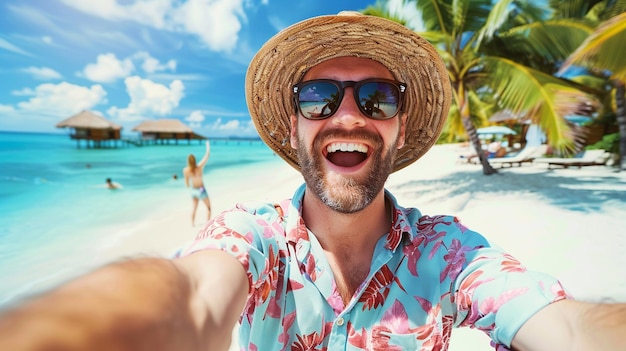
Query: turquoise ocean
{"points": [[54, 208]]}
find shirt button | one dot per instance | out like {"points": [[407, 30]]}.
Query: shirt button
{"points": [[340, 321]]}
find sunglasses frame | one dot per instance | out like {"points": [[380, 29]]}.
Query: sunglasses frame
{"points": [[341, 88]]}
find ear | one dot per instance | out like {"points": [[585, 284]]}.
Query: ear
{"points": [[402, 131], [293, 134]]}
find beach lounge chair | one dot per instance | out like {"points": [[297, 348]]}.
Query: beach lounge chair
{"points": [[527, 154], [585, 158]]}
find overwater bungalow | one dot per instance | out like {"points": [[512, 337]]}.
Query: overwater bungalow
{"points": [[96, 131], [166, 131]]}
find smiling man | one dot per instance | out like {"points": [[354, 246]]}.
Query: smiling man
{"points": [[346, 155], [346, 100]]}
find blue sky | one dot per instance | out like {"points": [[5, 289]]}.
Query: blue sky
{"points": [[131, 60]]}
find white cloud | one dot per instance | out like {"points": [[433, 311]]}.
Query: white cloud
{"points": [[46, 39], [6, 108], [23, 92], [195, 116], [216, 22], [231, 127], [148, 99], [63, 99], [10, 47], [195, 119], [109, 9], [43, 73], [108, 69], [151, 65]]}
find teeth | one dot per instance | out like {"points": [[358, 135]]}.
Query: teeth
{"points": [[346, 147]]}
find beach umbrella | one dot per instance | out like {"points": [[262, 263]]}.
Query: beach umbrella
{"points": [[495, 130]]}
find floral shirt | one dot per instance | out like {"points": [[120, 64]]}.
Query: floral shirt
{"points": [[427, 275]]}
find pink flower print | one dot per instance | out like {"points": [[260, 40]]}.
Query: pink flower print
{"points": [[426, 227], [294, 285], [395, 324], [559, 292], [378, 288], [357, 339], [395, 233], [268, 230], [310, 267], [413, 252], [299, 232], [455, 259], [334, 300], [466, 290], [396, 319], [511, 264], [287, 323], [492, 305], [313, 341]]}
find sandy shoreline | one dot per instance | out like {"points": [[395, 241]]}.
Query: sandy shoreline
{"points": [[566, 222]]}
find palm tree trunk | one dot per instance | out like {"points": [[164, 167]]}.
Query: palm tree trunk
{"points": [[620, 111], [473, 136], [470, 129]]}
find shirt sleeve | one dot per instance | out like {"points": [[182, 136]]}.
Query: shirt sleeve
{"points": [[248, 233], [495, 293]]}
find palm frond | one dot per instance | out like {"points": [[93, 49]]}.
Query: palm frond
{"points": [[380, 9], [498, 15], [553, 40], [545, 99], [434, 14], [604, 49]]}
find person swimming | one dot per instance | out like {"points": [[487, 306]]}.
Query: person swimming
{"points": [[110, 184]]}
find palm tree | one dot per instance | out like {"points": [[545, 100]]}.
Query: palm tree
{"points": [[484, 81], [604, 51]]}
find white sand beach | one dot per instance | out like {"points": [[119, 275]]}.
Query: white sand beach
{"points": [[567, 222]]}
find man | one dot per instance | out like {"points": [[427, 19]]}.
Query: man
{"points": [[341, 265]]}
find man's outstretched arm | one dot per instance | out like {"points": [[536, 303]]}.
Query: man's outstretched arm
{"points": [[574, 326], [191, 303]]}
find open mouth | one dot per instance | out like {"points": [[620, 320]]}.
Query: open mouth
{"points": [[346, 154]]}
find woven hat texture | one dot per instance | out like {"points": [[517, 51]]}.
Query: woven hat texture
{"points": [[285, 58]]}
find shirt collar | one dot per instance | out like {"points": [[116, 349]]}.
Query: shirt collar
{"points": [[296, 230]]}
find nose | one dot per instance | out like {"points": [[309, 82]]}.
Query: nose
{"points": [[348, 114]]}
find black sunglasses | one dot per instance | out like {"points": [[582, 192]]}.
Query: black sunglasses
{"points": [[377, 98]]}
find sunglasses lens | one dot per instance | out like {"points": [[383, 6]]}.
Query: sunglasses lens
{"points": [[379, 100], [318, 100]]}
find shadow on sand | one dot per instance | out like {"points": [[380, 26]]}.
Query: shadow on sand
{"points": [[586, 192]]}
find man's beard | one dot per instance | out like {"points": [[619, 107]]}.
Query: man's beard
{"points": [[346, 194]]}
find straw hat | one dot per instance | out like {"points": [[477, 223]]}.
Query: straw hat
{"points": [[287, 56]]}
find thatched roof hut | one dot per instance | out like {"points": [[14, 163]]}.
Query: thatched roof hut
{"points": [[91, 127], [164, 130]]}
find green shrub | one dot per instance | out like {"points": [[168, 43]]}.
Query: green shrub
{"points": [[609, 142]]}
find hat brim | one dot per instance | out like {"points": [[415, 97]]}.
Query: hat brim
{"points": [[286, 57]]}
